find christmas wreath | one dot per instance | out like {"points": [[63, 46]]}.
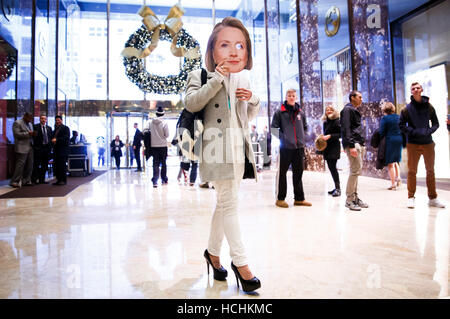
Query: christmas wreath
{"points": [[183, 45], [7, 64]]}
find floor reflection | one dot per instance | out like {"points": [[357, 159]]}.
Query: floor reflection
{"points": [[118, 237]]}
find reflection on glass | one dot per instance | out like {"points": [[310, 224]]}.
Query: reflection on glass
{"points": [[88, 47], [8, 101], [442, 248], [288, 47], [122, 26], [421, 54], [421, 221], [40, 94], [94, 132], [434, 84], [336, 79]]}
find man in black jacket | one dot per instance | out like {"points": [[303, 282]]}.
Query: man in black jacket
{"points": [[137, 146], [42, 147], [289, 124], [353, 144], [415, 123], [60, 140]]}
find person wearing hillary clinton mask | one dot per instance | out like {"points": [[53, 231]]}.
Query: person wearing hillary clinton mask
{"points": [[226, 155]]}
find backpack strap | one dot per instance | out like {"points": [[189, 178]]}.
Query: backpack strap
{"points": [[199, 115], [204, 76]]}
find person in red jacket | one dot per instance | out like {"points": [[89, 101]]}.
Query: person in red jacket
{"points": [[289, 124]]}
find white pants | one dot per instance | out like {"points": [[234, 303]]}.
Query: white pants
{"points": [[225, 221]]}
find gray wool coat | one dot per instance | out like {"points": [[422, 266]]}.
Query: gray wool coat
{"points": [[215, 160], [22, 138]]}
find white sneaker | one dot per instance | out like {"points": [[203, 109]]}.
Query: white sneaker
{"points": [[435, 203], [411, 202]]}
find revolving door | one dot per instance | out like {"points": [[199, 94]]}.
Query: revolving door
{"points": [[122, 124]]}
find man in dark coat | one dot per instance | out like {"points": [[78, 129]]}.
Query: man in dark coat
{"points": [[42, 147], [415, 121], [289, 125], [60, 141], [353, 143], [137, 146]]}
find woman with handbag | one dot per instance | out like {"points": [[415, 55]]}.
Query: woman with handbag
{"points": [[228, 105], [331, 154]]}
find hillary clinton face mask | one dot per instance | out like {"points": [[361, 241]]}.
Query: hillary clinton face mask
{"points": [[230, 47]]}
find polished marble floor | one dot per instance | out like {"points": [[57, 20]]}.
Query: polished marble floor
{"points": [[118, 237]]}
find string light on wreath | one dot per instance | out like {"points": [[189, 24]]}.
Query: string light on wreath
{"points": [[7, 64], [183, 45]]}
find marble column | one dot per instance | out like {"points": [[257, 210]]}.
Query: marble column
{"points": [[371, 58], [310, 94]]}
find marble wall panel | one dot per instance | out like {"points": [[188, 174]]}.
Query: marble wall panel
{"points": [[310, 90], [371, 57]]}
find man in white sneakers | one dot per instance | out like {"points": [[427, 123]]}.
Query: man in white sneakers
{"points": [[415, 121]]}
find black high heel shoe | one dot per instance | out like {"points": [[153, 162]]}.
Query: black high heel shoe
{"points": [[219, 274], [247, 285]]}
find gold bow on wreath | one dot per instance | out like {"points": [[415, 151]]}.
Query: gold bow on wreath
{"points": [[172, 24]]}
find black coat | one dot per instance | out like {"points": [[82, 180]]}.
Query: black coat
{"points": [[351, 127], [333, 149], [415, 121], [115, 153], [62, 135], [38, 140], [137, 138], [291, 122]]}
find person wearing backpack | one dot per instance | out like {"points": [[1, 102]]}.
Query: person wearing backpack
{"points": [[415, 123], [226, 152]]}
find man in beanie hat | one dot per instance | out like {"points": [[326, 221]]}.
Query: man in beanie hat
{"points": [[159, 133]]}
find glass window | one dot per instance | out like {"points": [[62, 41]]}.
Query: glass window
{"points": [[89, 45], [40, 94], [8, 101], [288, 47], [336, 79], [122, 26], [421, 54]]}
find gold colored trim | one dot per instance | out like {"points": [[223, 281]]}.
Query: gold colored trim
{"points": [[335, 23]]}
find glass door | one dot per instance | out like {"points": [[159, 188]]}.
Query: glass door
{"points": [[122, 124], [140, 119]]}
